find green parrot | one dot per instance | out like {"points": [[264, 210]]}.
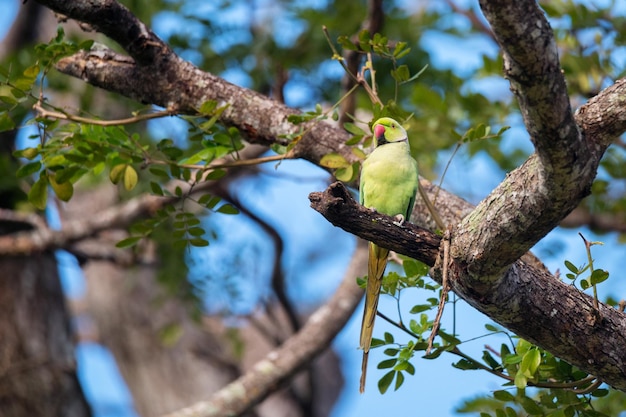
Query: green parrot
{"points": [[389, 181]]}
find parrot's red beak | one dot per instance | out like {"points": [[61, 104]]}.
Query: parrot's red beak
{"points": [[379, 134]]}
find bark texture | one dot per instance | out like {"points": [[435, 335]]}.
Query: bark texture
{"points": [[37, 366]]}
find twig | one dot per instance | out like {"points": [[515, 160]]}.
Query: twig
{"points": [[590, 259], [445, 287], [49, 114], [431, 208]]}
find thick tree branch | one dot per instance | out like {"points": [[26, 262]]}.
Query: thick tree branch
{"points": [[600, 222], [43, 238], [528, 301], [553, 181], [340, 208], [118, 23]]}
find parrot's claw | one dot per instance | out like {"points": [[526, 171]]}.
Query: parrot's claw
{"points": [[399, 220]]}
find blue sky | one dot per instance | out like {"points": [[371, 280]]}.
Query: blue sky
{"points": [[307, 236]]}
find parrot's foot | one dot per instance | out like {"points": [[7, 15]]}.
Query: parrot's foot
{"points": [[399, 220]]}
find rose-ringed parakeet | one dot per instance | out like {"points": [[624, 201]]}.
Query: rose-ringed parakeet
{"points": [[389, 181]]}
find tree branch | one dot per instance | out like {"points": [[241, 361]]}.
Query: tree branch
{"points": [[528, 300], [119, 216], [339, 207], [44, 238], [602, 222], [298, 351]]}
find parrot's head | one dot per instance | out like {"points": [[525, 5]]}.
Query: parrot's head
{"points": [[387, 130]]}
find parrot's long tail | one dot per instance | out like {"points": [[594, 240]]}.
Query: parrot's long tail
{"points": [[376, 264]]}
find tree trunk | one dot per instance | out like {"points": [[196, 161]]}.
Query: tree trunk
{"points": [[37, 365]]}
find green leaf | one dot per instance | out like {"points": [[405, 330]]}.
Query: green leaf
{"points": [[228, 209], [489, 360], [385, 381], [159, 172], [346, 43], [28, 169], [216, 174], [391, 352], [401, 50], [377, 342], [530, 362], [130, 178], [387, 363], [32, 71], [520, 380], [531, 406], [38, 194], [8, 99], [401, 366], [156, 188], [401, 74], [334, 160], [448, 338], [415, 76], [601, 392], [209, 201], [388, 338], [128, 242], [208, 107], [117, 173], [205, 154], [598, 276], [420, 308], [196, 231], [63, 190], [511, 359], [502, 395], [399, 381], [364, 40], [86, 45], [571, 267], [353, 140], [492, 328], [6, 123], [198, 242], [480, 131], [410, 268], [65, 175], [465, 365], [346, 174], [28, 153], [354, 129]]}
